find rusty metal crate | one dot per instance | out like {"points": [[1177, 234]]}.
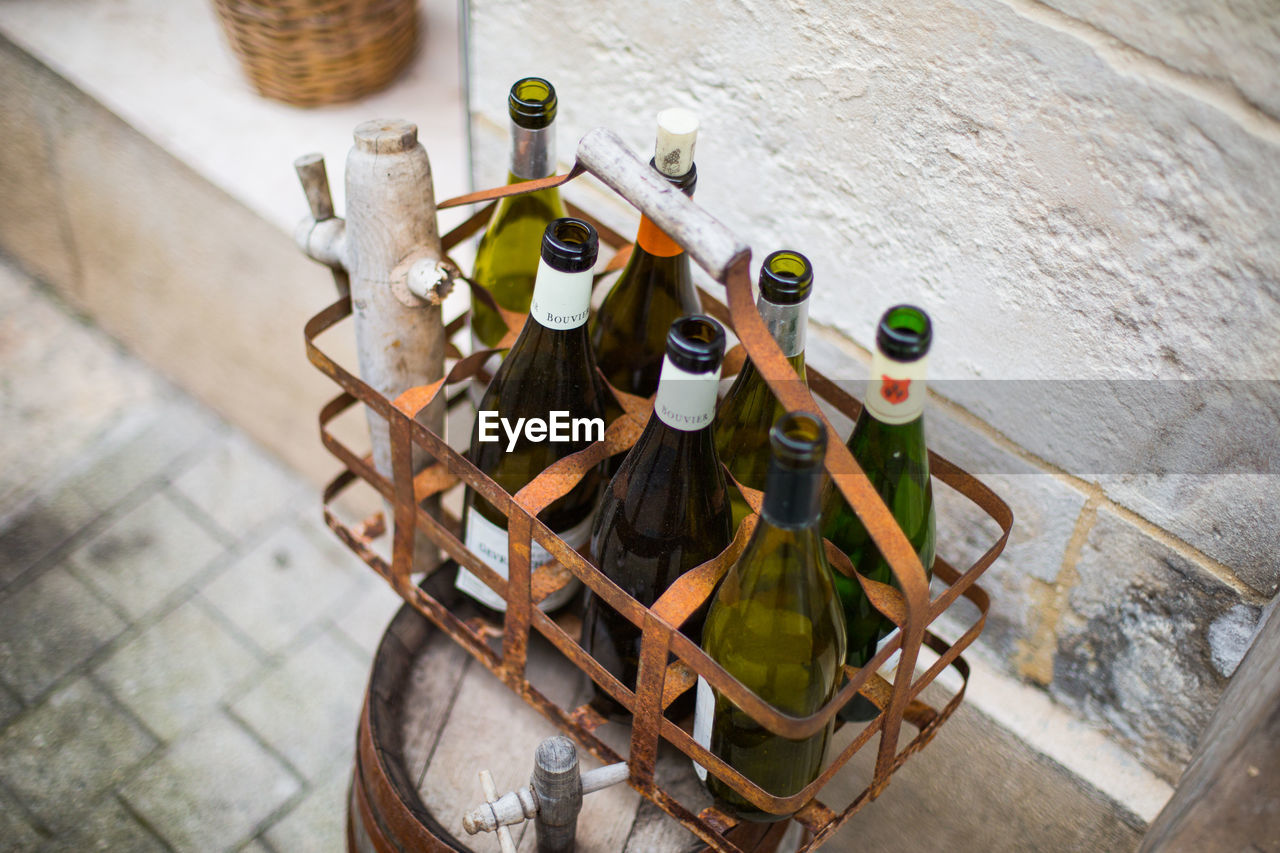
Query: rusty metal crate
{"points": [[659, 683]]}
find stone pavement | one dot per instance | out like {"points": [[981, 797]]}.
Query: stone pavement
{"points": [[183, 644]]}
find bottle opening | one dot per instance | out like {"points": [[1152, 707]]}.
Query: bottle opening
{"points": [[786, 277], [696, 344], [570, 245], [532, 103], [905, 333], [799, 441]]}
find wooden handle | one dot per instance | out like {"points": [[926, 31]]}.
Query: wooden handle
{"points": [[315, 183], [603, 153]]}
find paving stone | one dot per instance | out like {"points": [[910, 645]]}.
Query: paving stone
{"points": [[146, 554], [1138, 648], [174, 673], [212, 789], [48, 628], [307, 709], [56, 399], [144, 443], [108, 828], [366, 620], [38, 529], [318, 824], [10, 705], [15, 829], [62, 754], [240, 486], [281, 586]]}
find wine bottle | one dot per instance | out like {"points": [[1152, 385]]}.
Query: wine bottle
{"points": [[656, 286], [507, 257], [750, 408], [888, 444], [666, 510], [550, 373], [776, 625]]}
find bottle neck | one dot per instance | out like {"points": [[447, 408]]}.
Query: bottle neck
{"points": [[533, 151], [787, 323], [792, 498], [896, 389], [686, 401], [649, 236], [561, 300]]}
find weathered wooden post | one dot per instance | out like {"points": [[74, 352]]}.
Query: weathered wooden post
{"points": [[389, 247], [559, 791]]}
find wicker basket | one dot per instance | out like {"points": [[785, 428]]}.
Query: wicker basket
{"points": [[313, 52]]}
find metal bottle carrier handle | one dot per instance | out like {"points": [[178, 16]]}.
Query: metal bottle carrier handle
{"points": [[716, 250]]}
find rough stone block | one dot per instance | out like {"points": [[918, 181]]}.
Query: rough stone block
{"points": [[50, 627], [146, 555], [318, 824], [1233, 44], [1148, 642], [173, 674], [1233, 518], [107, 828], [241, 487], [60, 756], [212, 789], [284, 584], [307, 708]]}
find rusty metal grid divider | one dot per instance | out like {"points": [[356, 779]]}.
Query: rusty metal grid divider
{"points": [[658, 684]]}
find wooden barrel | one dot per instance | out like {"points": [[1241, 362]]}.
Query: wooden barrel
{"points": [[434, 717]]}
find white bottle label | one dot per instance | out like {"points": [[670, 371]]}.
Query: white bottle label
{"points": [[561, 300], [896, 389], [686, 401], [489, 542], [703, 711], [787, 324]]}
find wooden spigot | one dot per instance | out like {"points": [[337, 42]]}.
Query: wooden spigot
{"points": [[552, 799]]}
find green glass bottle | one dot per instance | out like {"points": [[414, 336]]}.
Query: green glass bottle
{"points": [[776, 625], [549, 374], [750, 408], [666, 510], [888, 444], [507, 257], [656, 287]]}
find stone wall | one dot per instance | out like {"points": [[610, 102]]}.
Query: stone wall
{"points": [[1077, 192]]}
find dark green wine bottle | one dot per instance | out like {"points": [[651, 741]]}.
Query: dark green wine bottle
{"points": [[750, 408], [507, 257], [666, 511], [656, 287], [776, 625], [888, 443], [550, 374]]}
